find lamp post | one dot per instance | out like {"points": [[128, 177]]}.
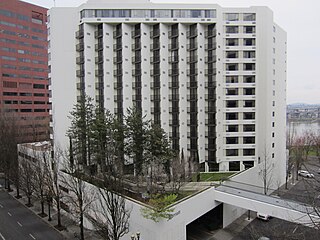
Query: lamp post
{"points": [[135, 236]]}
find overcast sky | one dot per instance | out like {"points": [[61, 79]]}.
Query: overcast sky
{"points": [[300, 19]]}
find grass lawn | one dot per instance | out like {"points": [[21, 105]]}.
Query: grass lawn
{"points": [[212, 176]]}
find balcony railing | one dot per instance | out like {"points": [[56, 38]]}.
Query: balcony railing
{"points": [[98, 33], [174, 33], [136, 33], [79, 34], [193, 33], [210, 33], [80, 47], [155, 33]]}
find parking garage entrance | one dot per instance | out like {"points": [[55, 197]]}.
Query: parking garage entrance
{"points": [[204, 227]]}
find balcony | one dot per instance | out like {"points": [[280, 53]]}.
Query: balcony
{"points": [[192, 59], [79, 34], [192, 84], [210, 33], [80, 73], [79, 47], [98, 47], [173, 97], [136, 85], [192, 97], [136, 59], [117, 72], [117, 33], [173, 59], [154, 72], [117, 85], [136, 33], [173, 46], [210, 46], [210, 84], [173, 85], [174, 33], [99, 73], [210, 59], [98, 33], [210, 71], [80, 60], [117, 46], [191, 72], [155, 59], [173, 72], [192, 46], [117, 59], [99, 86], [136, 72], [155, 97], [155, 33], [136, 46], [192, 33], [173, 122], [210, 109], [80, 86], [154, 46], [98, 59]]}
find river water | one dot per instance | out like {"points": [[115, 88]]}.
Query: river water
{"points": [[300, 127]]}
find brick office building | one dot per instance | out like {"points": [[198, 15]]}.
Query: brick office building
{"points": [[24, 67]]}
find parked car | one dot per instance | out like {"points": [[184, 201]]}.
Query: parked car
{"points": [[263, 216], [305, 173]]}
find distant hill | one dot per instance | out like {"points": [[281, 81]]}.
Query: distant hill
{"points": [[303, 105]]}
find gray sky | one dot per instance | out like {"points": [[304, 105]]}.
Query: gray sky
{"points": [[300, 19]]}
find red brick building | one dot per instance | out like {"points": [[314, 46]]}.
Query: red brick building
{"points": [[24, 68]]}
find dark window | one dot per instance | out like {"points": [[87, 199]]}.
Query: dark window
{"points": [[248, 152], [234, 166], [232, 152]]}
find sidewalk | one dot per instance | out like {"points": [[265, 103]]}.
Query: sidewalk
{"points": [[71, 230]]}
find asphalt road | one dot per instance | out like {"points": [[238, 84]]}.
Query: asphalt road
{"points": [[18, 223]]}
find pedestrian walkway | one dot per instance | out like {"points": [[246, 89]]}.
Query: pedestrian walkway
{"points": [[70, 231]]}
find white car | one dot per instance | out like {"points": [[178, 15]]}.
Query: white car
{"points": [[263, 216], [305, 173]]}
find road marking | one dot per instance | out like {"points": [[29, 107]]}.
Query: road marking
{"points": [[9, 214], [31, 236], [2, 237], [19, 224]]}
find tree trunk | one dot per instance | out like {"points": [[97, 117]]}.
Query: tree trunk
{"points": [[58, 212], [29, 201], [42, 207], [81, 226]]}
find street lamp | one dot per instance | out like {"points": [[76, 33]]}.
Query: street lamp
{"points": [[135, 236]]}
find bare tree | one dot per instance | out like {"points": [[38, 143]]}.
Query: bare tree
{"points": [[111, 218], [266, 171], [80, 194], [27, 178]]}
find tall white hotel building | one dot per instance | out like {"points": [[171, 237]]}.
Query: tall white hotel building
{"points": [[213, 77]]}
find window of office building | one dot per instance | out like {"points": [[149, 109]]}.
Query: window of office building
{"points": [[249, 54], [249, 152], [232, 152], [249, 29], [232, 42], [232, 67], [248, 115], [249, 42], [232, 54], [249, 128], [232, 16], [232, 128], [232, 79], [232, 91], [231, 116], [249, 17], [232, 29], [232, 140], [249, 66], [248, 79]]}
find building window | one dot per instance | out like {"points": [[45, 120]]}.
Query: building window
{"points": [[249, 91], [249, 103], [232, 29], [249, 17], [232, 91], [232, 128], [248, 79], [231, 116], [232, 42], [249, 42], [232, 79], [232, 152], [248, 140], [232, 16], [234, 166], [248, 115], [232, 67], [232, 140], [232, 104], [232, 54], [249, 54], [273, 134], [249, 66], [272, 145], [249, 152], [249, 29], [272, 155], [249, 128]]}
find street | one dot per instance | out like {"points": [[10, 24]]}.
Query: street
{"points": [[18, 222]]}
